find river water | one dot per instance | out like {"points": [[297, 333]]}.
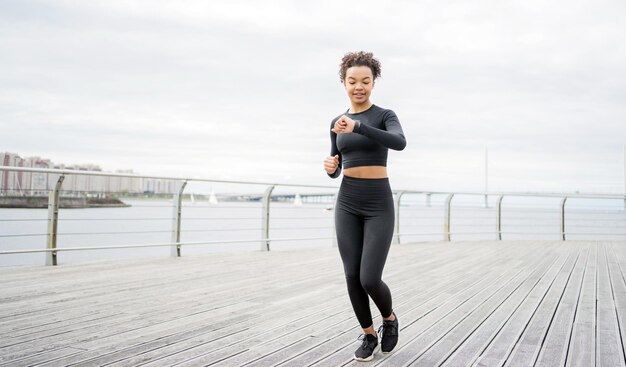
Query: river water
{"points": [[150, 221]]}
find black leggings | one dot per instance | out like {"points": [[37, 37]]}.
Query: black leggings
{"points": [[364, 220]]}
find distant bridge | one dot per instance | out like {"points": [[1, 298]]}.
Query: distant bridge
{"points": [[306, 198]]}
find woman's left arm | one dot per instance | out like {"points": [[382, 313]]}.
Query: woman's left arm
{"points": [[392, 137]]}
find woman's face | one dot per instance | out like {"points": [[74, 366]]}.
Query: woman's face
{"points": [[359, 83]]}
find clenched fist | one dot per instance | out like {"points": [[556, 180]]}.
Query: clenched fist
{"points": [[331, 164], [343, 125]]}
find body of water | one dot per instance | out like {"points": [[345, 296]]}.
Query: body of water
{"points": [[150, 221]]}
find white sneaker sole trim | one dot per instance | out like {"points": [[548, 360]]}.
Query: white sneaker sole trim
{"points": [[391, 351], [376, 349]]}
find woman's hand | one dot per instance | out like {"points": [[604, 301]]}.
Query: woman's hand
{"points": [[343, 125], [331, 164]]}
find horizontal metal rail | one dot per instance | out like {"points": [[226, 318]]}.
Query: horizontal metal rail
{"points": [[251, 240], [453, 215], [68, 172], [264, 183]]}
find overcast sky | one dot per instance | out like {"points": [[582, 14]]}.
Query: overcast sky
{"points": [[246, 90]]}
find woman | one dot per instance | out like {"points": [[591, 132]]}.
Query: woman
{"points": [[364, 214]]}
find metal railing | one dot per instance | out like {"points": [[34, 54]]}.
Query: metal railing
{"points": [[175, 244]]}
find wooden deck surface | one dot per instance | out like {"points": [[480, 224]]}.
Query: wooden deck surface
{"points": [[508, 303]]}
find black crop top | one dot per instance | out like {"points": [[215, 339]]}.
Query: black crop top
{"points": [[376, 129]]}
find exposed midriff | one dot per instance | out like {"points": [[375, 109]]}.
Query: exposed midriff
{"points": [[366, 172]]}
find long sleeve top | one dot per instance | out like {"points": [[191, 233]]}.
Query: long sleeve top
{"points": [[376, 130]]}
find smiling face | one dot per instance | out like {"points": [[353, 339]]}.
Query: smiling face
{"points": [[359, 83]]}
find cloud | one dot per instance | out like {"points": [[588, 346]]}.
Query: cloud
{"points": [[246, 90]]}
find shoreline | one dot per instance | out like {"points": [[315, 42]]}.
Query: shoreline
{"points": [[41, 202]]}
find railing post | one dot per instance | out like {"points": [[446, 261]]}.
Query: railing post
{"points": [[53, 221], [396, 226], [428, 197], [499, 218], [563, 217], [446, 223], [176, 219], [267, 198]]}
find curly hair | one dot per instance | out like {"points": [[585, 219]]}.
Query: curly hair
{"points": [[360, 58]]}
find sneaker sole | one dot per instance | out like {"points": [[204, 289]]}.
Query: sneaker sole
{"points": [[389, 352], [368, 358]]}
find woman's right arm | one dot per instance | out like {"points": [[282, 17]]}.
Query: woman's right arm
{"points": [[335, 156]]}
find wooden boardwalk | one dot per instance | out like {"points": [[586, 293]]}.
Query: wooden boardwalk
{"points": [[508, 303]]}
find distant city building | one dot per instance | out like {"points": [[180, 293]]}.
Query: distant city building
{"points": [[10, 181], [39, 183]]}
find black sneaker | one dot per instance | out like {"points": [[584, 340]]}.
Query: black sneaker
{"points": [[389, 334], [367, 349]]}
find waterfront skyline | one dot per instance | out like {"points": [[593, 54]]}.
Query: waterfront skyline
{"points": [[246, 91], [14, 183]]}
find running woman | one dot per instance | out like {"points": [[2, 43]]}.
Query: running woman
{"points": [[364, 213]]}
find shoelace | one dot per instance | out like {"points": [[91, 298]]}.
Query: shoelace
{"points": [[387, 329], [365, 343]]}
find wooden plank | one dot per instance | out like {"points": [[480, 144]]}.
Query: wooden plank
{"points": [[618, 289], [181, 349], [502, 345], [69, 294], [470, 298], [21, 347], [35, 359], [582, 346], [100, 336], [336, 344], [347, 322], [275, 256], [350, 324], [253, 316], [207, 334], [554, 348], [456, 312], [418, 333], [120, 349], [609, 350], [506, 260], [467, 347], [158, 309], [528, 347], [494, 327], [459, 333], [156, 291], [283, 356]]}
